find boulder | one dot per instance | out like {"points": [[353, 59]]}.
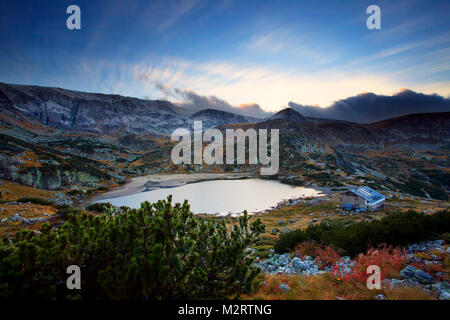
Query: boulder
{"points": [[417, 275], [392, 283], [442, 290], [298, 264], [284, 287]]}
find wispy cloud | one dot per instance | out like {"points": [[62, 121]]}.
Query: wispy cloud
{"points": [[439, 40], [177, 9], [276, 40]]}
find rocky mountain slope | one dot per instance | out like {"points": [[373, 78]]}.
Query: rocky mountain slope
{"points": [[426, 128], [74, 111], [58, 139]]}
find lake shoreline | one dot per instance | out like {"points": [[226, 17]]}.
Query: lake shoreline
{"points": [[227, 199], [160, 181]]}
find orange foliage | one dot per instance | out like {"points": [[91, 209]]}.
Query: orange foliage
{"points": [[390, 260], [325, 255]]}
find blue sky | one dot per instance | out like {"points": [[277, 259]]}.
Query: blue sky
{"points": [[243, 52]]}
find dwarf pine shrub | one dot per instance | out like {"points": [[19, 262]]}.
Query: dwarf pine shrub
{"points": [[159, 251], [397, 228]]}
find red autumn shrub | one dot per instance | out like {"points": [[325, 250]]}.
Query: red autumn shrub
{"points": [[325, 256], [306, 248], [390, 260], [339, 273], [431, 269]]}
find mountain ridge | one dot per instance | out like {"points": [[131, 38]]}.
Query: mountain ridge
{"points": [[111, 114], [77, 111]]}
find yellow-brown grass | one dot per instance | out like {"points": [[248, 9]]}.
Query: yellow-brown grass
{"points": [[324, 287], [28, 210], [407, 293], [14, 191]]}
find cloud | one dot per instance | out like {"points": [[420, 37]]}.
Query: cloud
{"points": [[194, 102], [370, 107], [177, 10], [276, 40], [243, 83], [253, 110]]}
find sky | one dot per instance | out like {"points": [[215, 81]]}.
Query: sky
{"points": [[240, 53]]}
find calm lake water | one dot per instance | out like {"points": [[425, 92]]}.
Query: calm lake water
{"points": [[221, 196]]}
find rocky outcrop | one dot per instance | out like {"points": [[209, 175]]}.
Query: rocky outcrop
{"points": [[53, 178], [279, 264]]}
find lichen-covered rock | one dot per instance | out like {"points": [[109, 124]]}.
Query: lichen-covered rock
{"points": [[442, 290], [284, 287], [415, 274]]}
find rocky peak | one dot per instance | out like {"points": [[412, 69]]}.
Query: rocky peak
{"points": [[288, 114]]}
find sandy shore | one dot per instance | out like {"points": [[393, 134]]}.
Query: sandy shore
{"points": [[157, 181]]}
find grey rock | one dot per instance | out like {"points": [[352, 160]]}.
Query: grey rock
{"points": [[417, 275], [445, 295], [284, 287], [442, 290], [17, 217], [298, 264], [438, 243], [392, 283]]}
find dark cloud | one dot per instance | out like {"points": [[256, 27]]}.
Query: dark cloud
{"points": [[193, 102], [196, 102], [253, 110], [369, 107]]}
